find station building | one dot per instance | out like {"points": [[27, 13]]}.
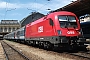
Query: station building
{"points": [[30, 18], [7, 26]]}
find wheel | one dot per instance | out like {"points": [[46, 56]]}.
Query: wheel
{"points": [[48, 45]]}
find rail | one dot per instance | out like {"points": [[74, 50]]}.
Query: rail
{"points": [[81, 54], [25, 57]]}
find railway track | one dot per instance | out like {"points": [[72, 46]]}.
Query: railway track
{"points": [[41, 54], [13, 54], [2, 56], [84, 55]]}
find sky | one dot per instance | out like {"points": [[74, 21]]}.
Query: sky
{"points": [[19, 9]]}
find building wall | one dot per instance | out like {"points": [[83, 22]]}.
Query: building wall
{"points": [[34, 16], [9, 26]]}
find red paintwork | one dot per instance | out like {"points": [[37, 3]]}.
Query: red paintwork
{"points": [[32, 28]]}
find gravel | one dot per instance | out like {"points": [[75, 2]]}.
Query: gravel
{"points": [[2, 56], [38, 54]]}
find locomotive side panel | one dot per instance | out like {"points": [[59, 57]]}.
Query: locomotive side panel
{"points": [[40, 29]]}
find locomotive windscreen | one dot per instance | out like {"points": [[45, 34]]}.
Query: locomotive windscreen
{"points": [[67, 21]]}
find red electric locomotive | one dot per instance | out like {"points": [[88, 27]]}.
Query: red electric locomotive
{"points": [[57, 29]]}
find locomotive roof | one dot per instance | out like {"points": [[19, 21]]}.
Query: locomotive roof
{"points": [[54, 13], [62, 13]]}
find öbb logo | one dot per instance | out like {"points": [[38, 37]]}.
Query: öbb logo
{"points": [[40, 29], [70, 32]]}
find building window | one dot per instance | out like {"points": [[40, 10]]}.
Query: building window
{"points": [[13, 29], [1, 29], [5, 29], [9, 29]]}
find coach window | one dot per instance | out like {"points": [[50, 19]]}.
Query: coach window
{"points": [[22, 33], [9, 29], [51, 22]]}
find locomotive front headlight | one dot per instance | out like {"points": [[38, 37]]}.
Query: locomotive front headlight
{"points": [[80, 32], [59, 32]]}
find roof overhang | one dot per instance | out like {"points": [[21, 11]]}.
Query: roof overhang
{"points": [[79, 7]]}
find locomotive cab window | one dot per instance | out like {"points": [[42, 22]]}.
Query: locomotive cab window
{"points": [[67, 21], [51, 22]]}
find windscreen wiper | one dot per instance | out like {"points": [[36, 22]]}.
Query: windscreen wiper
{"points": [[66, 26]]}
